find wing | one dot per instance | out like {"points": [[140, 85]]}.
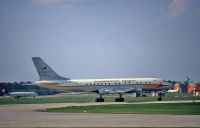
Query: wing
{"points": [[115, 90]]}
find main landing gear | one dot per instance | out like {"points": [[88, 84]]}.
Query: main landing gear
{"points": [[99, 99], [119, 99]]}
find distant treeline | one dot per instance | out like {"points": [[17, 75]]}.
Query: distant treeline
{"points": [[29, 87], [25, 87]]}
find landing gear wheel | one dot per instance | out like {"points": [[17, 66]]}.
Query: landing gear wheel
{"points": [[119, 100], [99, 100], [102, 100], [159, 99], [159, 96]]}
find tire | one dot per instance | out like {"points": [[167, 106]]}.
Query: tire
{"points": [[116, 99], [101, 99], [121, 99], [97, 100]]}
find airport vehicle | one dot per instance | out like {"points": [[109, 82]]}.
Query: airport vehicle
{"points": [[50, 79], [17, 95]]}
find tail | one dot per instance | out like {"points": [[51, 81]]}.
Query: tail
{"points": [[44, 71]]}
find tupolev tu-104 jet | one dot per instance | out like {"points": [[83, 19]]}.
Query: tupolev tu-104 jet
{"points": [[50, 79]]}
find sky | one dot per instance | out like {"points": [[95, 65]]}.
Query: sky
{"points": [[100, 38]]}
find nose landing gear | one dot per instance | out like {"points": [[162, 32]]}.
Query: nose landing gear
{"points": [[159, 96]]}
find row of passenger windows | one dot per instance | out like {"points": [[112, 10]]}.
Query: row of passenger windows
{"points": [[110, 83], [117, 83]]}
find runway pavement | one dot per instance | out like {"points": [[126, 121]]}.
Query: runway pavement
{"points": [[24, 115]]}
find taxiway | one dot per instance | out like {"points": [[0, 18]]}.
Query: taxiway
{"points": [[25, 115]]}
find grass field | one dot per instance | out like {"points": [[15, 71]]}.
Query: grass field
{"points": [[171, 109], [46, 99], [81, 98]]}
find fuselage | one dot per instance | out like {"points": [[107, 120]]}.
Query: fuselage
{"points": [[79, 85], [23, 94]]}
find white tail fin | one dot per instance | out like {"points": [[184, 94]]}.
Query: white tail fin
{"points": [[44, 71]]}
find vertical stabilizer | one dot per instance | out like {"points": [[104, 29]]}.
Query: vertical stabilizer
{"points": [[44, 71]]}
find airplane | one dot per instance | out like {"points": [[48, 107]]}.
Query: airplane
{"points": [[50, 79], [174, 90], [17, 95]]}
